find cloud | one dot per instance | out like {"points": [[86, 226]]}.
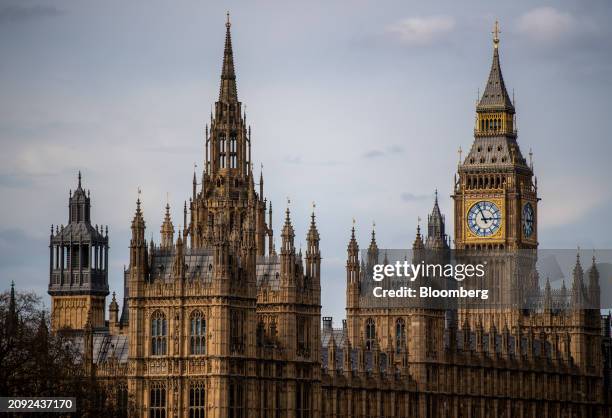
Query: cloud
{"points": [[546, 24], [12, 14], [375, 153], [298, 160], [410, 197], [172, 149], [421, 30]]}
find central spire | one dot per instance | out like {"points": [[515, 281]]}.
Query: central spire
{"points": [[495, 96], [227, 91]]}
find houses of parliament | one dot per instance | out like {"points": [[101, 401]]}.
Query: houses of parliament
{"points": [[216, 322]]}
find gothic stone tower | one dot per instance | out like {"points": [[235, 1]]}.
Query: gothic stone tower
{"points": [[495, 194], [78, 267], [193, 309], [227, 181]]}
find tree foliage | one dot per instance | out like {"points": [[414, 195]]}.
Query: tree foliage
{"points": [[37, 362]]}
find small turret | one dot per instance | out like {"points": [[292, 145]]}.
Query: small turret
{"points": [[271, 249], [578, 293], [288, 235], [178, 264], [594, 290], [313, 254], [137, 242], [436, 235], [352, 262], [418, 248], [287, 253], [261, 183], [11, 320], [547, 297], [373, 249], [418, 240], [167, 230], [113, 310]]}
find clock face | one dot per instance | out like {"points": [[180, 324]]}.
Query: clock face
{"points": [[528, 219], [484, 218]]}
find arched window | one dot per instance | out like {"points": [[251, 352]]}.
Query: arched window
{"points": [[158, 333], [302, 399], [400, 335], [261, 332], [236, 399], [232, 150], [197, 334], [237, 331], [370, 333], [157, 400], [222, 151], [197, 399]]}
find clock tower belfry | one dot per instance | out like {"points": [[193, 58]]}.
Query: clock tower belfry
{"points": [[495, 193]]}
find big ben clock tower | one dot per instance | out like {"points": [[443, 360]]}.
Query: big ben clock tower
{"points": [[495, 195], [496, 208]]}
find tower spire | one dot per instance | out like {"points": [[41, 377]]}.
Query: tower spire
{"points": [[227, 90], [436, 235], [495, 96]]}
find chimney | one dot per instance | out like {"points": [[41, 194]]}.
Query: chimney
{"points": [[327, 322]]}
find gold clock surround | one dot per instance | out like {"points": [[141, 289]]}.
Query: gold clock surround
{"points": [[468, 235]]}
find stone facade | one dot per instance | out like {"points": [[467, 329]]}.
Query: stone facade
{"points": [[216, 323]]}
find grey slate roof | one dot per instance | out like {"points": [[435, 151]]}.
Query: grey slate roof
{"points": [[105, 347], [268, 272], [494, 151], [198, 264], [495, 95], [339, 336], [78, 230]]}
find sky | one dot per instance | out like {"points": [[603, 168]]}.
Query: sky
{"points": [[359, 106]]}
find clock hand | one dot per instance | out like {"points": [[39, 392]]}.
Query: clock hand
{"points": [[484, 218]]}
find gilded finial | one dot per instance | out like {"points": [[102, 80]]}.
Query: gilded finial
{"points": [[496, 33], [227, 22]]}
